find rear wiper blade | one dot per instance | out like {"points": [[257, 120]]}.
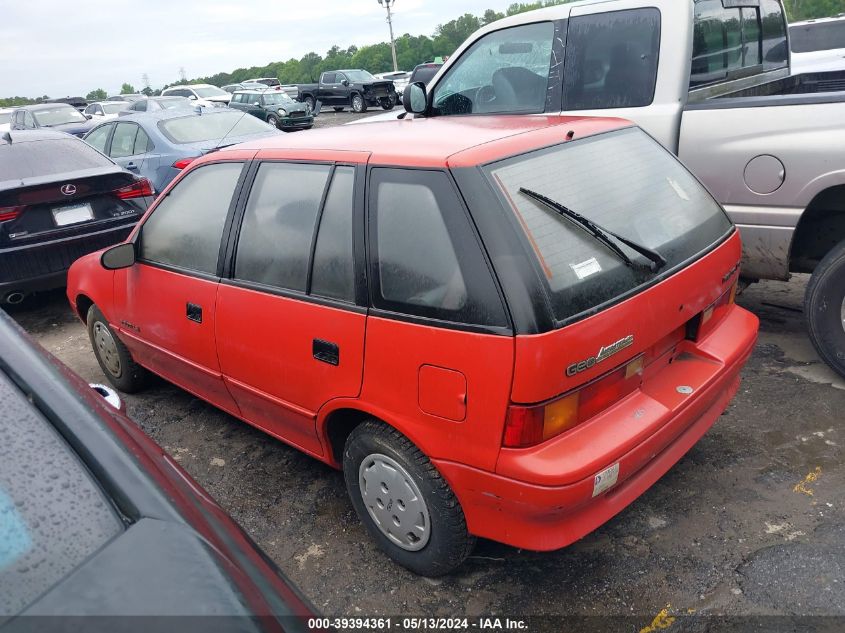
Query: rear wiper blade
{"points": [[600, 233]]}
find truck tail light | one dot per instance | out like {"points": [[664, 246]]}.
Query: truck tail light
{"points": [[138, 189], [10, 213], [531, 425], [184, 162]]}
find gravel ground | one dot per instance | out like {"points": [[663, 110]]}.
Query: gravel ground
{"points": [[750, 521]]}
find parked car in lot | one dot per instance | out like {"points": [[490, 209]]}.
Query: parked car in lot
{"points": [[424, 73], [356, 89], [155, 104], [131, 98], [56, 116], [59, 199], [5, 118], [99, 521], [77, 102], [274, 107], [504, 327], [400, 82], [204, 95], [764, 140], [817, 45], [273, 83], [158, 145], [105, 110], [246, 85]]}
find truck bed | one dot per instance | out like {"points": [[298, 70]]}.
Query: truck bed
{"points": [[822, 87]]}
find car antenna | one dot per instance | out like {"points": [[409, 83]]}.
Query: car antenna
{"points": [[226, 135]]}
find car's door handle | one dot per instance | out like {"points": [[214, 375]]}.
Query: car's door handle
{"points": [[132, 166], [194, 312], [326, 352]]}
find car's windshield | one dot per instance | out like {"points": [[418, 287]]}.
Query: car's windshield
{"points": [[114, 107], [623, 181], [212, 126], [817, 36], [58, 116], [276, 98], [210, 91], [358, 76]]}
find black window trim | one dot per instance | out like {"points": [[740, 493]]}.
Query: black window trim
{"points": [[554, 87], [371, 267], [229, 251], [227, 225]]}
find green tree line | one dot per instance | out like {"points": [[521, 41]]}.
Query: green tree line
{"points": [[410, 50]]}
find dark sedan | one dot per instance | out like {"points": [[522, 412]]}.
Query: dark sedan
{"points": [[59, 199], [98, 523], [56, 116]]}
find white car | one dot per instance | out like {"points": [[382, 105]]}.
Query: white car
{"points": [[105, 110], [5, 118], [817, 45], [204, 95], [400, 81]]}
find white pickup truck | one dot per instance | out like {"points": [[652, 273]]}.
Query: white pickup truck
{"points": [[710, 80]]}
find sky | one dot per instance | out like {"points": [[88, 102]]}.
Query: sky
{"points": [[62, 48]]}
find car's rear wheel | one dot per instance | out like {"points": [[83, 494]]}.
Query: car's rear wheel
{"points": [[358, 103], [273, 120], [387, 103], [113, 356], [403, 501], [824, 307]]}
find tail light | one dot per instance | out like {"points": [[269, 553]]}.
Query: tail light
{"points": [[528, 426], [184, 162], [10, 213], [138, 189]]}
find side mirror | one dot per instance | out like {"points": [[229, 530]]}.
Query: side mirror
{"points": [[256, 103], [415, 98], [88, 116], [117, 257], [192, 97], [345, 82]]}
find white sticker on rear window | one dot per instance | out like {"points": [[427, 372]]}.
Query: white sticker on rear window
{"points": [[587, 268], [605, 479], [683, 195]]}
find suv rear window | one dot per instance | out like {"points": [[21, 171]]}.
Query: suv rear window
{"points": [[195, 129], [19, 161], [623, 181]]}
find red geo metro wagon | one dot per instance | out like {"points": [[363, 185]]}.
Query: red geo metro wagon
{"points": [[501, 327]]}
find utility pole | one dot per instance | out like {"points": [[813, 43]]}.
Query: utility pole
{"points": [[386, 4]]}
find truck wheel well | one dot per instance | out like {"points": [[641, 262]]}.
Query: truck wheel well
{"points": [[83, 304], [338, 427], [822, 226]]}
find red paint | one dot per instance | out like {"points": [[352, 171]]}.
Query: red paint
{"points": [[450, 391]]}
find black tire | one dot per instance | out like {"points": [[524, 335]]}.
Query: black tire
{"points": [[274, 121], [387, 104], [824, 307], [309, 101], [339, 108], [448, 543], [358, 103], [130, 377]]}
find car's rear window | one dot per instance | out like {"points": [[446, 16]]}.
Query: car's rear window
{"points": [[626, 183], [19, 161], [207, 127], [53, 515]]}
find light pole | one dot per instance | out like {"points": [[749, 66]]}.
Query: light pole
{"points": [[386, 4]]}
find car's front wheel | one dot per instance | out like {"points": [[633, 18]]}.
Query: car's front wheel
{"points": [[358, 103], [273, 120], [309, 101], [387, 103], [824, 308], [403, 501], [114, 358]]}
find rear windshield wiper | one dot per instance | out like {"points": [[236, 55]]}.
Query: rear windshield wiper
{"points": [[600, 233]]}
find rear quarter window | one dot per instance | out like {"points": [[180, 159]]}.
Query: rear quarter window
{"points": [[623, 181]]}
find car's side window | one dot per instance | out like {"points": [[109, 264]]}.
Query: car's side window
{"points": [[123, 140], [274, 246], [504, 71], [28, 121], [329, 78], [99, 136], [143, 144], [611, 59], [426, 259], [775, 49], [333, 268], [186, 227], [89, 109], [139, 106]]}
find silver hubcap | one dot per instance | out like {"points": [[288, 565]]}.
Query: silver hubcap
{"points": [[394, 502], [107, 348], [356, 103]]}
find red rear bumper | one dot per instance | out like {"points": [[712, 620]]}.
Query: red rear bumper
{"points": [[542, 498]]}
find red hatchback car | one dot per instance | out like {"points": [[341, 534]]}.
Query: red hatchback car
{"points": [[505, 327]]}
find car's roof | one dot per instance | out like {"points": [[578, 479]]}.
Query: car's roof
{"points": [[28, 136], [436, 141], [43, 106], [107, 102]]}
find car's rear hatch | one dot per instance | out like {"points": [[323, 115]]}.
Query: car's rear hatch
{"points": [[639, 334]]}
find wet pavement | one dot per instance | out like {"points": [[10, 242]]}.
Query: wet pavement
{"points": [[750, 522]]}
